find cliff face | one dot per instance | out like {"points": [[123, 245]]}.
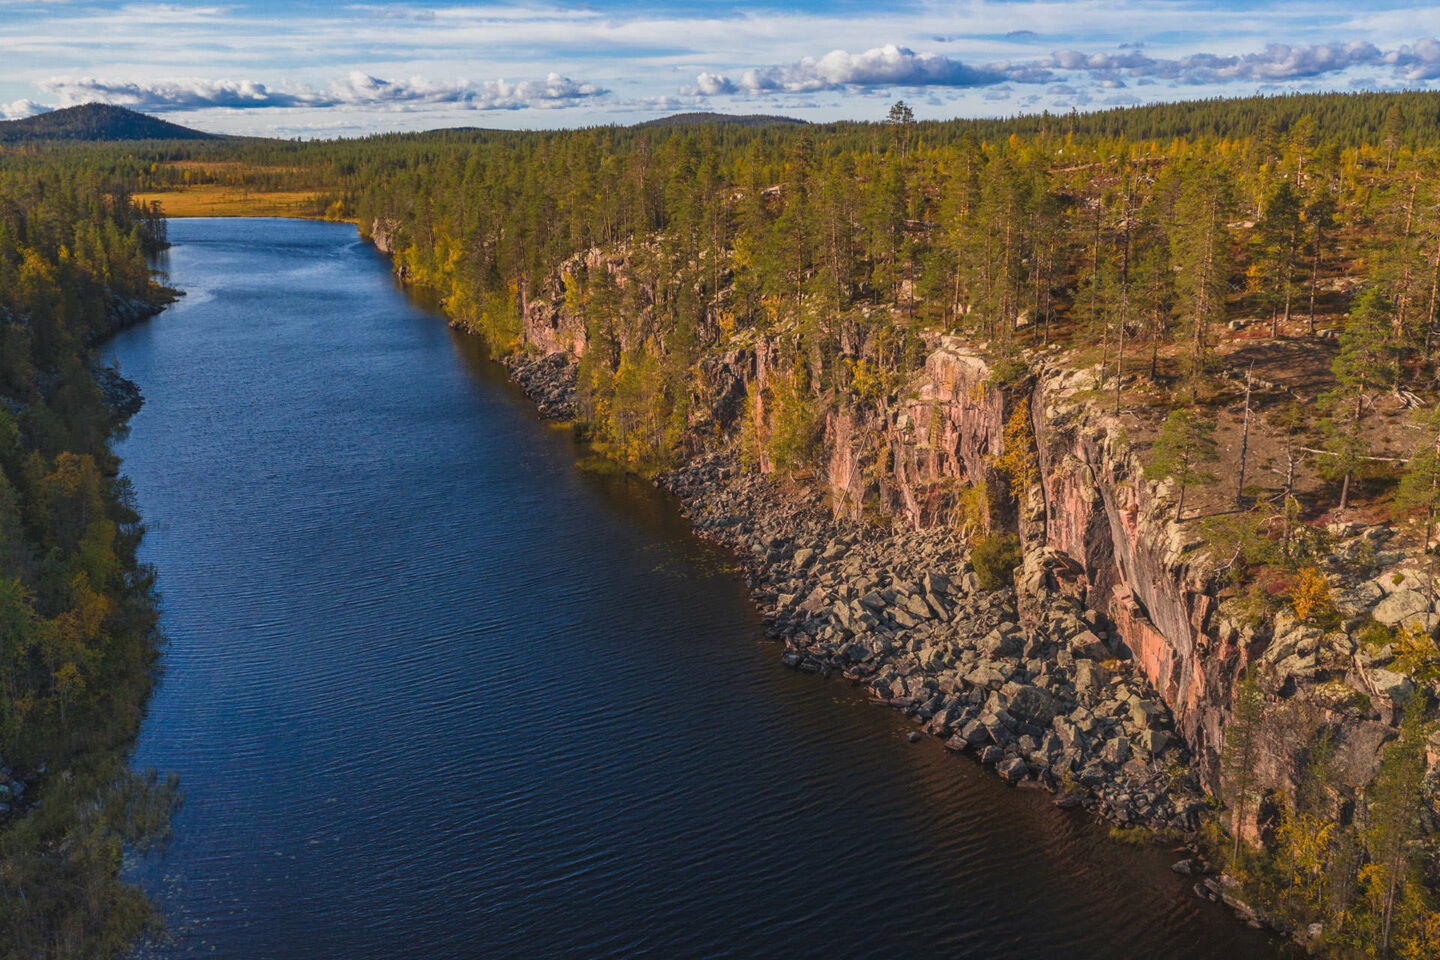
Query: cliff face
{"points": [[1133, 562], [1092, 526]]}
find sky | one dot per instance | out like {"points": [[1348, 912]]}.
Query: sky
{"points": [[301, 68]]}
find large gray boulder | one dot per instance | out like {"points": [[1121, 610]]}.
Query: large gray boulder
{"points": [[1013, 769], [1032, 702], [998, 644], [1396, 687], [1087, 644], [1401, 607]]}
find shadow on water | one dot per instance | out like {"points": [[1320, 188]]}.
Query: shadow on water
{"points": [[433, 691]]}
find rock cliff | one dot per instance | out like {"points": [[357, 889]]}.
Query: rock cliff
{"points": [[1093, 528]]}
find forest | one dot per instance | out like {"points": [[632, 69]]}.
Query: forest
{"points": [[77, 613], [1250, 290]]}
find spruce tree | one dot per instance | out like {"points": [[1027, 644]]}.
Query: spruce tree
{"points": [[1241, 754], [1185, 444], [1366, 362]]}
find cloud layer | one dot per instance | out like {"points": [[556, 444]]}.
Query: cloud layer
{"points": [[257, 66], [897, 66], [19, 109], [359, 89], [885, 66]]}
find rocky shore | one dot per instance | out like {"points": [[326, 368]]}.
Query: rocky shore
{"points": [[547, 380], [1044, 697], [122, 396], [125, 312], [1048, 698]]}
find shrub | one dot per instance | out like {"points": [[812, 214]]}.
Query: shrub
{"points": [[994, 557], [796, 426], [1310, 596], [1018, 461]]}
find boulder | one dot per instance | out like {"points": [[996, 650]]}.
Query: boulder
{"points": [[985, 676], [1146, 713], [1087, 644], [974, 733], [997, 644], [1153, 741], [917, 607], [1014, 769], [1069, 734], [1400, 607], [1031, 702], [1090, 677], [1116, 750], [1396, 687]]}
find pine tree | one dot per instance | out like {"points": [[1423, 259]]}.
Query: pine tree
{"points": [[1200, 249], [1241, 754], [1320, 221], [1420, 484], [1366, 362], [1278, 241], [1394, 823], [1185, 444]]}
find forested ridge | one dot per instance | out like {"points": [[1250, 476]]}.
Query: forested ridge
{"points": [[1178, 254], [1244, 293], [77, 614], [94, 121]]}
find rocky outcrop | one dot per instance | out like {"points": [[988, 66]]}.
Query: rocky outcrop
{"points": [[123, 313], [1134, 563], [549, 380], [381, 232], [1109, 582], [122, 396], [901, 613]]}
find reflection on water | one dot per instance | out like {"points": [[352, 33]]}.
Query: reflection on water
{"points": [[434, 692]]}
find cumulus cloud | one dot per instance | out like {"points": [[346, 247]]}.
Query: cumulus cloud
{"points": [[887, 66], [897, 66], [356, 90], [20, 109], [1417, 61], [1277, 62]]}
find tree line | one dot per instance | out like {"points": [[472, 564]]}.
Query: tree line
{"points": [[77, 613]]}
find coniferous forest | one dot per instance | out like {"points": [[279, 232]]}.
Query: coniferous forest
{"points": [[1231, 308], [77, 613]]}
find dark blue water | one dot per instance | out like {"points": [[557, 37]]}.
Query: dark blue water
{"points": [[433, 692]]}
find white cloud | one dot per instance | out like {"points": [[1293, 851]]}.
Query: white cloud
{"points": [[359, 89], [1417, 61], [898, 66], [20, 109], [886, 66], [1276, 62]]}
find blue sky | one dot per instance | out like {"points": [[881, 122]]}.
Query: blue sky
{"points": [[326, 69]]}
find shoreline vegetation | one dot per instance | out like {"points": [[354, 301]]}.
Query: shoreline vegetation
{"points": [[78, 643], [1050, 350], [1104, 445]]}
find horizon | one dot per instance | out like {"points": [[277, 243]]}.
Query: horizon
{"points": [[718, 115], [262, 68]]}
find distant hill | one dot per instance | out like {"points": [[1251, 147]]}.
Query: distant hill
{"points": [[96, 121], [748, 120]]}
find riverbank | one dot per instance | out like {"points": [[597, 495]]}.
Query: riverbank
{"points": [[1043, 697]]}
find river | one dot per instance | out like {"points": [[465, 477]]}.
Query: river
{"points": [[434, 691]]}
